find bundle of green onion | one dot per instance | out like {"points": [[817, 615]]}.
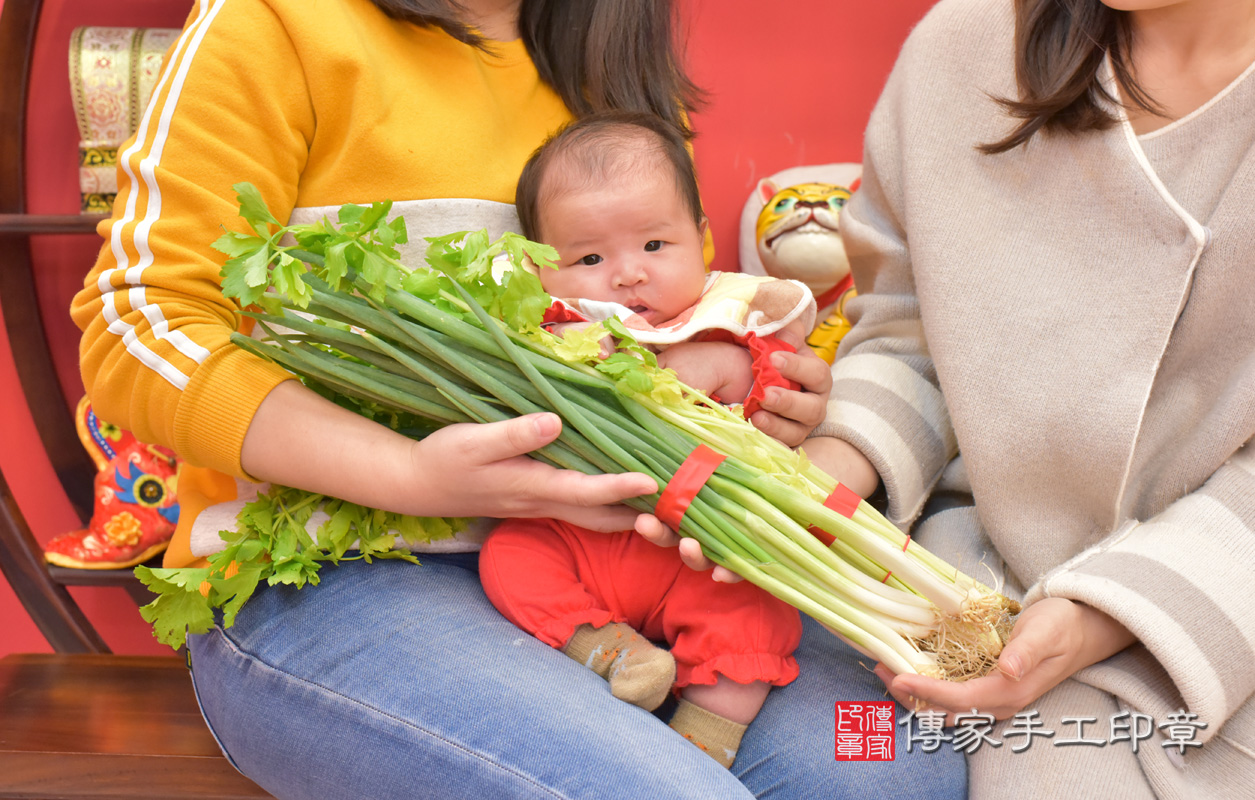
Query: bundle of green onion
{"points": [[460, 341]]}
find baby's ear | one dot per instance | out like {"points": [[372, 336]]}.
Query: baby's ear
{"points": [[703, 226]]}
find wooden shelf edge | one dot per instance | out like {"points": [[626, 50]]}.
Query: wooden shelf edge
{"points": [[70, 661], [26, 224], [69, 576]]}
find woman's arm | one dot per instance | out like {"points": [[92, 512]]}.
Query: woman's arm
{"points": [[1179, 583], [886, 397], [1052, 640], [156, 353], [843, 461], [301, 439]]}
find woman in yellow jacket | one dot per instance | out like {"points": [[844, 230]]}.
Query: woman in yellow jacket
{"points": [[389, 680]]}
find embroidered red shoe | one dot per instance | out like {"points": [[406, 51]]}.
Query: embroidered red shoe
{"points": [[136, 506], [100, 439]]}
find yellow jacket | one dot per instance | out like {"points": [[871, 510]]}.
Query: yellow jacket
{"points": [[317, 104]]}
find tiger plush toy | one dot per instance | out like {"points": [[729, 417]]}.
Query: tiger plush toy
{"points": [[796, 234]]}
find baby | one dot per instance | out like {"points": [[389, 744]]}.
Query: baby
{"points": [[616, 195]]}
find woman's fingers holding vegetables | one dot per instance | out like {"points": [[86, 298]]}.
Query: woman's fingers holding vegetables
{"points": [[691, 553], [589, 501], [993, 694], [1052, 639], [651, 528], [904, 698], [498, 441], [504, 441], [607, 519], [482, 470]]}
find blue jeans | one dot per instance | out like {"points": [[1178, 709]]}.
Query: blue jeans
{"points": [[395, 681]]}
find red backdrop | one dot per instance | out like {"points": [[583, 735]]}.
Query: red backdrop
{"points": [[789, 84]]}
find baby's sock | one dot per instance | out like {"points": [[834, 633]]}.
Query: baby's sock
{"points": [[639, 672], [718, 737]]}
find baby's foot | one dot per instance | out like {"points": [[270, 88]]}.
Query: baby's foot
{"points": [[639, 672], [717, 737]]}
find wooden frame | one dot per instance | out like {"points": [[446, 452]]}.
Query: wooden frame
{"points": [[18, 295], [48, 602], [39, 587]]}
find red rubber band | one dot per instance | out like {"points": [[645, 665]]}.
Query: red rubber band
{"points": [[844, 501], [825, 538], [905, 545], [687, 481]]}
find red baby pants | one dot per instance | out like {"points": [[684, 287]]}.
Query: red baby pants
{"points": [[549, 577]]}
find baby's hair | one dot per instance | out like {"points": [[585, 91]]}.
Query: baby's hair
{"points": [[602, 143]]}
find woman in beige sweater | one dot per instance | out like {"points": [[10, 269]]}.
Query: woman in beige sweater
{"points": [[1062, 289]]}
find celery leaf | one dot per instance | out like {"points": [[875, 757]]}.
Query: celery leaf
{"points": [[253, 209]]}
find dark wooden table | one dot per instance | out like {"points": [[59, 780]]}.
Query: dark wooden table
{"points": [[107, 726]]}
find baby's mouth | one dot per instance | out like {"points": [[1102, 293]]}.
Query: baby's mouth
{"points": [[641, 309]]}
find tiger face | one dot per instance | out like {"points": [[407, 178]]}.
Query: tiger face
{"points": [[798, 235]]}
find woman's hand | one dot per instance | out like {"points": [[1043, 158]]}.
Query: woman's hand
{"points": [[787, 415], [1052, 640], [690, 551], [483, 470], [298, 438]]}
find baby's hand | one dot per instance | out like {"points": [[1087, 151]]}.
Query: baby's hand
{"points": [[843, 461], [563, 328], [720, 369]]}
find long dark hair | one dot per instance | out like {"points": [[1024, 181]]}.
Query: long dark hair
{"points": [[1060, 46], [598, 55]]}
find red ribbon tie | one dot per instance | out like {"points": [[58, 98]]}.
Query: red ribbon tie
{"points": [[687, 481], [844, 501]]}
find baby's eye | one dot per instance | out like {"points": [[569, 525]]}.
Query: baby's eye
{"points": [[652, 245], [590, 260]]}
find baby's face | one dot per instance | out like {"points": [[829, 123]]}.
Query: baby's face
{"points": [[629, 239]]}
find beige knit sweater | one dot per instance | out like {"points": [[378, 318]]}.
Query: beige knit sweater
{"points": [[1057, 316]]}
